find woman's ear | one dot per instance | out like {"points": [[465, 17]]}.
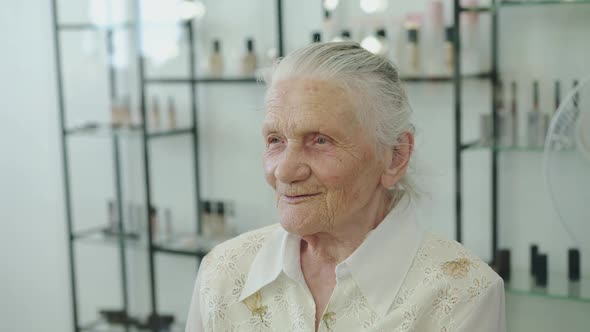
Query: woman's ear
{"points": [[400, 158]]}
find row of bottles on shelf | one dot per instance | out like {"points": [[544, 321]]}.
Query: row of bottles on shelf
{"points": [[214, 221], [248, 64], [420, 44], [539, 267], [122, 115], [537, 121]]}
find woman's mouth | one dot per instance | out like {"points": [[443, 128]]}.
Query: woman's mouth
{"points": [[297, 198]]}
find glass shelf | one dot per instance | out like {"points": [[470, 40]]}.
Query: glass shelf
{"points": [[178, 244], [107, 130], [190, 244], [103, 326], [558, 286], [541, 2], [90, 26], [477, 146], [173, 80], [442, 78]]}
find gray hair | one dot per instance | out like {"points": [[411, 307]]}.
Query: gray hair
{"points": [[372, 79]]}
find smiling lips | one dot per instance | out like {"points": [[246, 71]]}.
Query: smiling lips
{"points": [[297, 198]]}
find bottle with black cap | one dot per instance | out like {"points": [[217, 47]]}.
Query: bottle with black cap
{"points": [[534, 120], [541, 275], [413, 52], [249, 61], [220, 219], [316, 37], [216, 60], [513, 114], [573, 257], [449, 50], [207, 218]]}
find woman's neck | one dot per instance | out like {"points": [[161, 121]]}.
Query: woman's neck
{"points": [[334, 246]]}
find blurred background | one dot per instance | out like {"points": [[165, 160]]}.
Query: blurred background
{"points": [[130, 140]]}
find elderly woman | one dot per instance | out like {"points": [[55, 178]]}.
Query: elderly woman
{"points": [[348, 254]]}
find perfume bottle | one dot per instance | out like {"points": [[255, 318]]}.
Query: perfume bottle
{"points": [[573, 256], [384, 43], [412, 52], [316, 37], [249, 59], [168, 224], [216, 60], [503, 120], [154, 223], [534, 120], [328, 26], [541, 276], [156, 120], [207, 226], [220, 220], [171, 113], [449, 50], [513, 114]]}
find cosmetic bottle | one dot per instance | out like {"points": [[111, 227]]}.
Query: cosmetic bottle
{"points": [[470, 63], [534, 120], [328, 25], [433, 39], [207, 226], [220, 220], [171, 113], [154, 223], [412, 55], [345, 35], [502, 265], [168, 223], [156, 116], [514, 114], [449, 50], [121, 112], [534, 250], [541, 276], [216, 60], [316, 37], [485, 130], [573, 258], [503, 130], [249, 59], [384, 43]]}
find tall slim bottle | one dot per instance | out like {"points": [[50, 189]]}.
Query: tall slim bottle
{"points": [[534, 119], [514, 113]]}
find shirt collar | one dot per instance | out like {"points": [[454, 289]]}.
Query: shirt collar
{"points": [[397, 237]]}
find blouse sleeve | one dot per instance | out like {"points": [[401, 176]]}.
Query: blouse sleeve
{"points": [[489, 314], [194, 322]]}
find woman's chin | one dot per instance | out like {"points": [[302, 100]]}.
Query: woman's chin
{"points": [[299, 226]]}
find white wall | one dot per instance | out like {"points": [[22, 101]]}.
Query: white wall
{"points": [[34, 262]]}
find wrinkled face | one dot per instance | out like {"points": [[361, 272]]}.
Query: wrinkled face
{"points": [[319, 159]]}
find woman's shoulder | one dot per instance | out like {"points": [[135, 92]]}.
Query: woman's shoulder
{"points": [[235, 255], [451, 258]]}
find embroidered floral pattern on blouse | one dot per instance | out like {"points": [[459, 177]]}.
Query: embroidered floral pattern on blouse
{"points": [[253, 243], [354, 303], [446, 300], [226, 263], [478, 287], [329, 318], [458, 268]]}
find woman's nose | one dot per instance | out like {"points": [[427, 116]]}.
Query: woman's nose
{"points": [[292, 167]]}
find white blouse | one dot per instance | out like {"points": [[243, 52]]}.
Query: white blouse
{"points": [[400, 279]]}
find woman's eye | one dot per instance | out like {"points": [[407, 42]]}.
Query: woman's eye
{"points": [[321, 140], [273, 140]]}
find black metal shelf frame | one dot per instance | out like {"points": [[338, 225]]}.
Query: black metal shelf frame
{"points": [[115, 133]]}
